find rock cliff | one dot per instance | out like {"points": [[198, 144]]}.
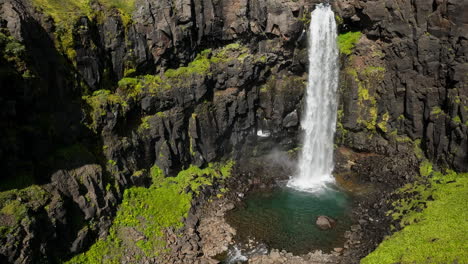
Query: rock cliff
{"points": [[95, 94]]}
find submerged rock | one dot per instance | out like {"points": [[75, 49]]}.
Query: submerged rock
{"points": [[325, 222]]}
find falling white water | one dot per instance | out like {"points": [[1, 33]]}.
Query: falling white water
{"points": [[319, 118]]}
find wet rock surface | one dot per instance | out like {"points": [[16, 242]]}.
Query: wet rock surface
{"points": [[325, 222]]}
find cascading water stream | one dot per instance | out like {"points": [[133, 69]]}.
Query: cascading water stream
{"points": [[319, 118]]}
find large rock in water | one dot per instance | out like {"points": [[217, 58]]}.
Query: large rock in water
{"points": [[325, 222]]}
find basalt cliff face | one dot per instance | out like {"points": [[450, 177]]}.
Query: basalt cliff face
{"points": [[93, 97]]}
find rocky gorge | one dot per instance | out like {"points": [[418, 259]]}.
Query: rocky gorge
{"points": [[100, 98]]}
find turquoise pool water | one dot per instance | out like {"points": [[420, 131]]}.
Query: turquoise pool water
{"points": [[285, 219]]}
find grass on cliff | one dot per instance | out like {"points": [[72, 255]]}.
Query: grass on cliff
{"points": [[65, 14], [347, 41], [146, 212], [15, 205], [434, 219], [132, 88]]}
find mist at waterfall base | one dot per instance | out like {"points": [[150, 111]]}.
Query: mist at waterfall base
{"points": [[285, 218], [319, 118]]}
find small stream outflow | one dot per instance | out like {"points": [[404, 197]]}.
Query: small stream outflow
{"points": [[319, 117]]}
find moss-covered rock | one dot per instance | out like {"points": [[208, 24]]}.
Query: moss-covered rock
{"points": [[146, 213]]}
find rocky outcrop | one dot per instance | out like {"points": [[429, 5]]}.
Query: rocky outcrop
{"points": [[52, 221], [92, 105], [405, 78], [179, 119]]}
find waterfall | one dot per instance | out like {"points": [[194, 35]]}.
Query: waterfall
{"points": [[319, 116]]}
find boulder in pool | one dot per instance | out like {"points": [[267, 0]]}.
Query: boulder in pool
{"points": [[324, 222]]}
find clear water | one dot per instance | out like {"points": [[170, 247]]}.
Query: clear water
{"points": [[285, 219], [319, 119]]}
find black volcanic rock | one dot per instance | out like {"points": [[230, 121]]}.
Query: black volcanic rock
{"points": [[411, 60]]}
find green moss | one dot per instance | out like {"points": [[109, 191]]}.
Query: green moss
{"points": [[457, 120], [403, 139], [150, 211], [230, 52], [436, 110], [129, 72], [199, 66], [16, 204], [366, 80], [14, 53], [144, 123], [347, 41], [425, 169], [434, 223], [417, 149], [131, 89], [125, 7], [263, 59], [339, 19], [382, 125], [340, 127], [305, 19], [65, 14], [157, 175], [101, 102]]}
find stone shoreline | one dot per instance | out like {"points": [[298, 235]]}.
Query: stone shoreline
{"points": [[207, 234]]}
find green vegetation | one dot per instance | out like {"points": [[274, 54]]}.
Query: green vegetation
{"points": [[130, 89], [434, 221], [366, 80], [417, 149], [11, 48], [125, 7], [457, 119], [339, 19], [199, 66], [100, 102], [15, 204], [150, 211], [305, 19], [347, 41], [14, 53], [339, 126], [425, 169], [382, 125], [65, 13], [436, 111], [144, 123]]}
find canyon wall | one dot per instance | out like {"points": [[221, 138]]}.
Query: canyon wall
{"points": [[88, 106]]}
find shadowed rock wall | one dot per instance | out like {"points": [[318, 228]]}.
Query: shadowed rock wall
{"points": [[404, 82]]}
